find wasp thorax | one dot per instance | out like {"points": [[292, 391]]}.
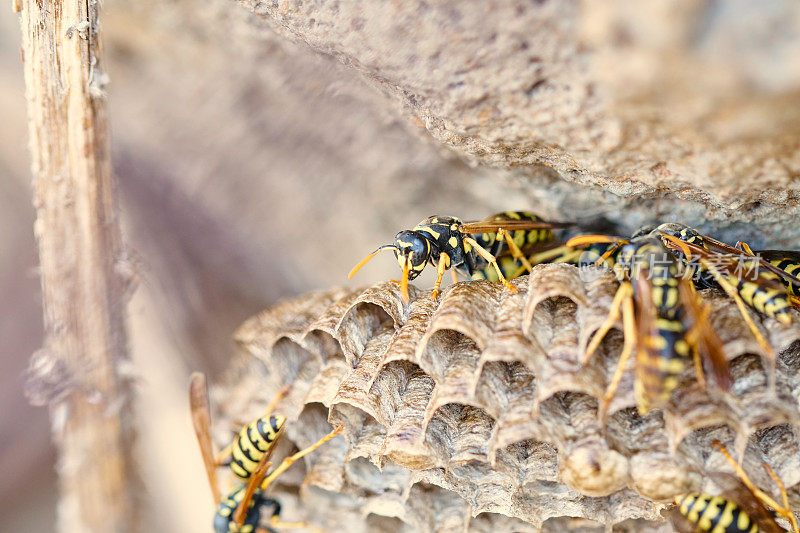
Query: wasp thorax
{"points": [[415, 244], [644, 230], [682, 231]]}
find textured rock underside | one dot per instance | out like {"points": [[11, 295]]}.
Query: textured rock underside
{"points": [[680, 100], [474, 412]]}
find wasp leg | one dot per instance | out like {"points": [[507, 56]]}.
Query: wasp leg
{"points": [[516, 253], [694, 340], [789, 515], [289, 460], [278, 524], [698, 366], [455, 275], [444, 262], [765, 498], [258, 474], [404, 279], [582, 240], [608, 253], [627, 349], [491, 260], [226, 452], [625, 289], [275, 399], [569, 255], [201, 420], [728, 288], [743, 246]]}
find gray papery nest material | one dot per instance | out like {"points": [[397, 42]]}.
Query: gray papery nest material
{"points": [[474, 412]]}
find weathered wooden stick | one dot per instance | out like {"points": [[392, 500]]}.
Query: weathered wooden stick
{"points": [[84, 289]]}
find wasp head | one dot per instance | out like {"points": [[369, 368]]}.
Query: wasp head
{"points": [[413, 251], [681, 231]]}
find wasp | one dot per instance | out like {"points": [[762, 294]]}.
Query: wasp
{"points": [[248, 456], [663, 320], [720, 262], [745, 509], [728, 268], [447, 243], [714, 264]]}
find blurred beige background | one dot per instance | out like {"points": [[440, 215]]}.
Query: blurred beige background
{"points": [[259, 157]]}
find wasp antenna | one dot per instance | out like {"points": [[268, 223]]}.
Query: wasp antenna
{"points": [[581, 240], [404, 280], [366, 259]]}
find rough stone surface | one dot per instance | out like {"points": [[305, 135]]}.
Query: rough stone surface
{"points": [[683, 100]]}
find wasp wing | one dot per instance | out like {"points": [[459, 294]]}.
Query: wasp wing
{"points": [[708, 339], [771, 255], [779, 255], [486, 226], [648, 375], [763, 257], [732, 264], [201, 420]]}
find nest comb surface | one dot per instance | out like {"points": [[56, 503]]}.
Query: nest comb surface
{"points": [[473, 412]]}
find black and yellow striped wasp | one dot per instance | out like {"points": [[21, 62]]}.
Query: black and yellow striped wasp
{"points": [[743, 507], [248, 456], [663, 320], [749, 280], [719, 262], [446, 243]]}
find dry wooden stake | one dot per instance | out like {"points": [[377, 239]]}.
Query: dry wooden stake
{"points": [[84, 294]]}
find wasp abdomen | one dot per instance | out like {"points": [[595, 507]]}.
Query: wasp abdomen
{"points": [[792, 267], [714, 513], [523, 238], [252, 442], [770, 301]]}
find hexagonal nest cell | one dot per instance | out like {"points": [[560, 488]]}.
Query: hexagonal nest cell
{"points": [[473, 411]]}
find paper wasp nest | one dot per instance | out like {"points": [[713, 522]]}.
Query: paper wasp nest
{"points": [[474, 412]]}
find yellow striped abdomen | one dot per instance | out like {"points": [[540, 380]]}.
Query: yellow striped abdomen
{"points": [[664, 356], [714, 514], [789, 266], [770, 301], [252, 442], [665, 351], [523, 238]]}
